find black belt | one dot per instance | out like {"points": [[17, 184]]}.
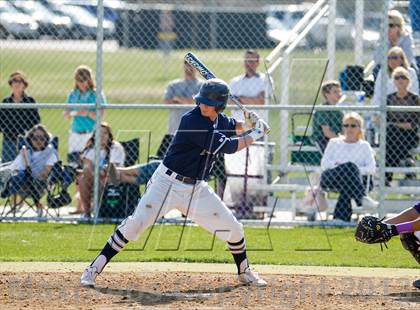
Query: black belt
{"points": [[82, 132], [186, 180]]}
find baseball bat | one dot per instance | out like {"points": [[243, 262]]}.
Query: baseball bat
{"points": [[207, 74]]}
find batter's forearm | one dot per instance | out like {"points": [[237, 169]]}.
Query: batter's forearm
{"points": [[408, 215], [244, 142]]}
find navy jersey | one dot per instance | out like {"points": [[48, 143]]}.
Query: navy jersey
{"points": [[197, 143]]}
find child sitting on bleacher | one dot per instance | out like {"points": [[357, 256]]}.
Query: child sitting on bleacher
{"points": [[327, 124]]}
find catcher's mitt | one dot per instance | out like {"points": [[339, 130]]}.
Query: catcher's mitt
{"points": [[372, 230]]}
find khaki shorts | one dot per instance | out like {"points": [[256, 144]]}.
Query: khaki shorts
{"points": [[77, 141]]}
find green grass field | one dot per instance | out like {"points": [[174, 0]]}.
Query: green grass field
{"points": [[64, 242]]}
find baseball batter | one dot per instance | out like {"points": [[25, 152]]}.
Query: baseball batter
{"points": [[180, 181]]}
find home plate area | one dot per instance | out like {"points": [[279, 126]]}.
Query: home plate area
{"points": [[192, 290]]}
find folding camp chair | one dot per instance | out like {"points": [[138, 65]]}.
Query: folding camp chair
{"points": [[119, 201]]}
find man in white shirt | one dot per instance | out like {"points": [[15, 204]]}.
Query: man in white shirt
{"points": [[250, 87]]}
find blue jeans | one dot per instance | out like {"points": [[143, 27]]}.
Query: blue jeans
{"points": [[9, 151], [346, 180], [145, 171]]}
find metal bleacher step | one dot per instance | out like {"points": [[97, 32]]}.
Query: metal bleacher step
{"points": [[389, 206]]}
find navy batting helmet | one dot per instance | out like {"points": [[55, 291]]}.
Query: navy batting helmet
{"points": [[213, 92]]}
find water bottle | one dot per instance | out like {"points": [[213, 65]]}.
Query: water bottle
{"points": [[360, 97]]}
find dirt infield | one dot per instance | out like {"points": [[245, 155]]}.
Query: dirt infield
{"points": [[25, 287]]}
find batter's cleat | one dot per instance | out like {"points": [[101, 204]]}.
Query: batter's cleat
{"points": [[416, 283], [368, 202], [251, 278], [89, 276]]}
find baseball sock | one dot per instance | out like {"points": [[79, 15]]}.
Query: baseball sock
{"points": [[238, 251], [114, 245]]}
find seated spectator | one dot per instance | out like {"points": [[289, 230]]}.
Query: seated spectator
{"points": [[111, 152], [15, 122], [327, 124], [398, 36], [346, 162], [396, 58], [402, 127], [33, 163]]}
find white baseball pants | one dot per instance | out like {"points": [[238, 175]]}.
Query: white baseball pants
{"points": [[198, 202]]}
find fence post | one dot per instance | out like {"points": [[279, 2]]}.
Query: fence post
{"points": [[332, 5], [358, 38], [98, 110], [382, 106], [284, 114]]}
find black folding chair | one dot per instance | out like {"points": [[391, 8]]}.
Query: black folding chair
{"points": [[30, 192], [118, 202]]}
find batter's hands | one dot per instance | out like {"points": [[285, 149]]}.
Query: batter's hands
{"points": [[260, 130], [262, 125], [251, 118]]}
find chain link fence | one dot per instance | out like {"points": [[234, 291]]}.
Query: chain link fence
{"points": [[275, 58]]}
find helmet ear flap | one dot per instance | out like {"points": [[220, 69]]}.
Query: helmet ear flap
{"points": [[220, 108]]}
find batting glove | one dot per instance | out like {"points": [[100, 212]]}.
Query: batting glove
{"points": [[262, 125], [260, 130]]}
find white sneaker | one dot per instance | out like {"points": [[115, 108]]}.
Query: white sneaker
{"points": [[89, 276], [250, 277], [368, 202]]}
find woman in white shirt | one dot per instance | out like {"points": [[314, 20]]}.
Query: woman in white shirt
{"points": [[346, 159], [111, 152], [33, 164]]}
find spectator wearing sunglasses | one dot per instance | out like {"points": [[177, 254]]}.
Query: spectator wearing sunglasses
{"points": [[34, 161], [346, 162], [402, 127], [396, 58], [399, 36], [15, 122], [83, 120]]}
